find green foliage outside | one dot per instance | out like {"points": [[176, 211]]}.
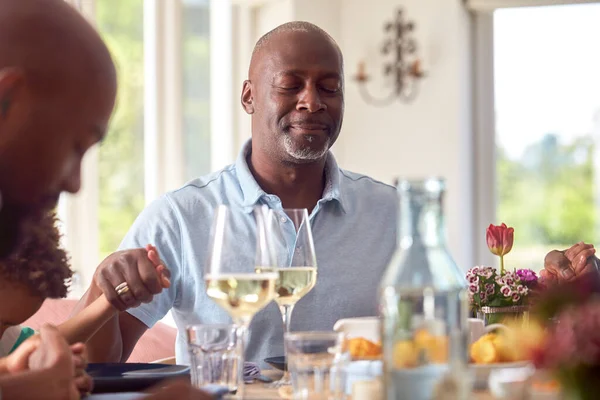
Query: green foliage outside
{"points": [[121, 155], [548, 196]]}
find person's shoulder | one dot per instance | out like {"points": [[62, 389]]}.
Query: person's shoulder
{"points": [[195, 194], [361, 192], [212, 182], [364, 184]]}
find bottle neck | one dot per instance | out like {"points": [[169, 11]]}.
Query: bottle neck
{"points": [[421, 219]]}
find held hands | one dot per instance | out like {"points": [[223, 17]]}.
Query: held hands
{"points": [[65, 365], [129, 278], [563, 266]]}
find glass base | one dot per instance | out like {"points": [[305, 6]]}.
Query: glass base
{"points": [[285, 380]]}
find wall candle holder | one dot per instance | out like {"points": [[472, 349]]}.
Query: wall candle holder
{"points": [[404, 67]]}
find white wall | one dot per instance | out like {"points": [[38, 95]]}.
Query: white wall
{"points": [[432, 135]]}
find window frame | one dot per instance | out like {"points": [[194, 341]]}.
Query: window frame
{"points": [[164, 168], [484, 109]]}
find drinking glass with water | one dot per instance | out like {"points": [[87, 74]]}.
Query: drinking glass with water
{"points": [[213, 357], [317, 363]]}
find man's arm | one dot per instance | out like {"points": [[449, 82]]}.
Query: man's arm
{"points": [[146, 274], [116, 338]]}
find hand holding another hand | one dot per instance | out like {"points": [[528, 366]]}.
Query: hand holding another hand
{"points": [[129, 278]]}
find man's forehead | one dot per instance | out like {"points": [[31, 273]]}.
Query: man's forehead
{"points": [[298, 50]]}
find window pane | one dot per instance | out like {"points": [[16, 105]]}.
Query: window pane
{"points": [[121, 155], [546, 89], [196, 87]]}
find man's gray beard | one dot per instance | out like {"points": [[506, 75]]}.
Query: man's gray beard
{"points": [[306, 153]]}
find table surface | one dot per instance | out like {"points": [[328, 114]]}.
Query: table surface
{"points": [[259, 391], [254, 391]]}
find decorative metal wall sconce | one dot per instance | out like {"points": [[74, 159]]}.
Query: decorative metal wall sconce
{"points": [[405, 67]]}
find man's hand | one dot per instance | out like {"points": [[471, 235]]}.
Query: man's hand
{"points": [[561, 266], [43, 368], [142, 270], [54, 355]]}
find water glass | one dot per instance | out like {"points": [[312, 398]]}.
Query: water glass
{"points": [[213, 356], [317, 363]]}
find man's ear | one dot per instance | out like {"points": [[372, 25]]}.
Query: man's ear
{"points": [[11, 81], [247, 98]]}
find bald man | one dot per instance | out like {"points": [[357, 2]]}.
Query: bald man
{"points": [[295, 96], [57, 92], [48, 120]]}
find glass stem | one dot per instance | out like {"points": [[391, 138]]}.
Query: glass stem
{"points": [[241, 350], [286, 314]]}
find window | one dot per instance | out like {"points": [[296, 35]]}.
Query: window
{"points": [[545, 113], [160, 133], [121, 155], [196, 92]]}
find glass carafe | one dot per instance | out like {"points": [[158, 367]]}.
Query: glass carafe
{"points": [[423, 303]]}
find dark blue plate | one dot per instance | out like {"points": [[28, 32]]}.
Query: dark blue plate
{"points": [[277, 362], [132, 377]]}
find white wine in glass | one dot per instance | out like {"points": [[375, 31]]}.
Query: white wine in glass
{"points": [[296, 269], [231, 275], [292, 283], [242, 295]]}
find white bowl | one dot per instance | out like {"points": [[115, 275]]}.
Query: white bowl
{"points": [[365, 327], [481, 372], [511, 383]]}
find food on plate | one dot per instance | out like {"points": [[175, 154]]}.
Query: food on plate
{"points": [[495, 348], [425, 348], [549, 386], [362, 349]]}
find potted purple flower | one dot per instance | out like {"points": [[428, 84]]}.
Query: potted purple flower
{"points": [[495, 295]]}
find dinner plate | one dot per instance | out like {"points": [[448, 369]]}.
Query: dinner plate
{"points": [[276, 362], [132, 377], [481, 372]]}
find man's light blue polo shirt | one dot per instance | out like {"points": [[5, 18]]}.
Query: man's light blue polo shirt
{"points": [[354, 230]]}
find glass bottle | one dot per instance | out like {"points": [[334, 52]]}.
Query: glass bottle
{"points": [[423, 303]]}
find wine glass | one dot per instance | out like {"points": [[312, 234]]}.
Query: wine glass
{"points": [[291, 235], [232, 278]]}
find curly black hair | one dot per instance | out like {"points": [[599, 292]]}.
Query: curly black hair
{"points": [[39, 263]]}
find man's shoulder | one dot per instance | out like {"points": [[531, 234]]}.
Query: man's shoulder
{"points": [[207, 189], [367, 186], [214, 181], [365, 194], [199, 194]]}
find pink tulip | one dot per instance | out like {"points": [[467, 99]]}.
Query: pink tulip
{"points": [[500, 241]]}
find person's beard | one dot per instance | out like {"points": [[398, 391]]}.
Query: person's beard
{"points": [[12, 219]]}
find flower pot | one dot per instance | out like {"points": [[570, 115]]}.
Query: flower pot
{"points": [[498, 315]]}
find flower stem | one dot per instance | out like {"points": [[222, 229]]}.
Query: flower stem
{"points": [[501, 265]]}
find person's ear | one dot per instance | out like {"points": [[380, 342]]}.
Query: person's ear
{"points": [[11, 81], [247, 97]]}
